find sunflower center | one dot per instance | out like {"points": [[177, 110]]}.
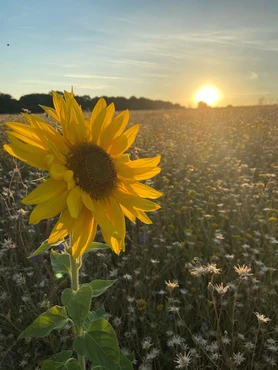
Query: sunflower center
{"points": [[94, 170]]}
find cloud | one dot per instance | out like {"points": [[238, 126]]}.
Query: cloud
{"points": [[253, 75], [98, 77]]}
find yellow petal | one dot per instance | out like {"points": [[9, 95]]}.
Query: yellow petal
{"points": [[75, 120], [74, 202], [49, 209], [115, 129], [144, 162], [60, 158], [94, 206], [96, 128], [142, 216], [128, 201], [122, 158], [60, 106], [26, 134], [51, 112], [45, 191], [69, 178], [145, 191], [116, 245], [98, 209], [34, 157], [128, 214], [132, 169], [62, 228], [123, 142], [57, 171], [147, 175], [83, 233], [117, 217], [110, 111], [97, 119]]}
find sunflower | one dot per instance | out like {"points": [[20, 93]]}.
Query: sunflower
{"points": [[91, 181]]}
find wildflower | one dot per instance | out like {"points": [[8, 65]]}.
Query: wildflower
{"points": [[141, 304], [238, 358], [183, 360], [221, 290], [127, 277], [113, 272], [212, 269], [170, 286], [154, 352], [176, 340], [91, 181], [249, 346], [117, 321], [262, 318], [270, 360], [147, 343], [8, 244], [243, 271], [154, 261], [174, 309], [198, 270]]}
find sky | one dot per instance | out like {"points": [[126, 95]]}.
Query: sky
{"points": [[157, 49]]}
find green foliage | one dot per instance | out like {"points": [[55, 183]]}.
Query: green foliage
{"points": [[55, 318], [100, 286], [77, 303], [97, 246], [99, 344], [60, 262], [61, 361], [125, 363], [43, 247], [100, 313]]}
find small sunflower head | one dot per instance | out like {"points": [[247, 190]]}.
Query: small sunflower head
{"points": [[94, 170]]}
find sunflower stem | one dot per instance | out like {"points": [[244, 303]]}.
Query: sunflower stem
{"points": [[75, 266]]}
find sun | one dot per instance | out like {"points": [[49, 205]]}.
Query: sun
{"points": [[207, 94]]}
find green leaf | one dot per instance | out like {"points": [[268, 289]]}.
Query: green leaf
{"points": [[44, 247], [100, 313], [125, 363], [60, 262], [78, 303], [100, 286], [99, 344], [70, 364], [55, 318], [61, 356], [96, 246]]}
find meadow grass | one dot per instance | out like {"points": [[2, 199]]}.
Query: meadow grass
{"points": [[179, 301]]}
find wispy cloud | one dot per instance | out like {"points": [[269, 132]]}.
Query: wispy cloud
{"points": [[90, 87], [253, 75], [61, 65], [41, 82], [98, 77]]}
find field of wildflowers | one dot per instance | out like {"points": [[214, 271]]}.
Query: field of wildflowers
{"points": [[195, 290]]}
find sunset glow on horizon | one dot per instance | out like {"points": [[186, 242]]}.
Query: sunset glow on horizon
{"points": [[208, 94], [103, 50]]}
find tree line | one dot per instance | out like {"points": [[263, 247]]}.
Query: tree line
{"points": [[31, 102]]}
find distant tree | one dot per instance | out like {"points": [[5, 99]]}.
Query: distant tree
{"points": [[31, 103], [203, 105], [262, 100], [8, 104]]}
